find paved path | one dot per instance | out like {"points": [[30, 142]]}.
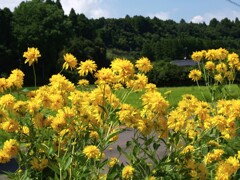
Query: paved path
{"points": [[112, 151], [125, 136]]}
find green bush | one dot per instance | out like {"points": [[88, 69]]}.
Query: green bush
{"points": [[164, 73]]}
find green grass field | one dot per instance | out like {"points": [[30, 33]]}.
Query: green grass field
{"points": [[175, 95]]}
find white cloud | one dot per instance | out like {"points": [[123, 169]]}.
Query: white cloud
{"points": [[10, 4], [97, 13], [91, 8], [197, 19], [161, 15]]}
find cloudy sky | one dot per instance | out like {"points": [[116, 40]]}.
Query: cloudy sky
{"points": [[189, 10]]}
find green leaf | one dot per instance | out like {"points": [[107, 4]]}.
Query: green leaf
{"points": [[67, 164], [156, 145]]}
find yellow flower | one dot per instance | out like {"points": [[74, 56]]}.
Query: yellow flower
{"points": [[25, 130], [33, 106], [154, 102], [128, 115], [60, 82], [127, 172], [94, 135], [139, 83], [31, 55], [11, 147], [212, 54], [234, 162], [83, 82], [70, 61], [188, 149], [3, 85], [58, 123], [233, 60], [20, 107], [7, 101], [176, 120], [202, 110], [15, 79], [144, 65], [4, 156], [123, 69], [39, 164], [195, 75], [213, 156], [10, 125], [92, 151], [221, 68], [118, 86], [198, 56], [210, 65], [105, 76], [222, 54], [145, 126], [57, 101], [113, 161], [218, 78], [227, 168], [89, 66], [151, 87]]}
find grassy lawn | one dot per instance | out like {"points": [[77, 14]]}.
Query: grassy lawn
{"points": [[174, 94]]}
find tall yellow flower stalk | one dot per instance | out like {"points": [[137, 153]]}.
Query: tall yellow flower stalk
{"points": [[32, 55], [70, 61], [218, 68]]}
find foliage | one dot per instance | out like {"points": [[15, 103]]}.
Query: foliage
{"points": [[59, 131], [165, 74], [43, 24]]}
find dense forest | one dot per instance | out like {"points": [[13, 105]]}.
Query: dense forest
{"points": [[43, 24]]}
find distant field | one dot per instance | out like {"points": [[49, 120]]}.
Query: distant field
{"points": [[202, 93]]}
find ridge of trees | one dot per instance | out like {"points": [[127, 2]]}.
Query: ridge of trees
{"points": [[42, 24]]}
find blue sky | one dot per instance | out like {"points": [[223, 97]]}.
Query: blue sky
{"points": [[189, 10]]}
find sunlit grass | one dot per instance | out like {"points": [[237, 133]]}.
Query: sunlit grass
{"points": [[174, 94]]}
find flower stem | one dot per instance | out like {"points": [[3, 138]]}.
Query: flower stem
{"points": [[35, 78]]}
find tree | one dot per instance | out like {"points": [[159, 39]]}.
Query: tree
{"points": [[40, 24], [213, 22], [8, 58]]}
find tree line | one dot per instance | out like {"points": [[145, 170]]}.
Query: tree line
{"points": [[43, 24]]}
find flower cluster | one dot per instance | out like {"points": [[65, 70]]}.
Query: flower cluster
{"points": [[216, 67], [219, 64], [63, 131], [15, 80], [9, 150]]}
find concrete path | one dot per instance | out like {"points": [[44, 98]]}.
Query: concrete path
{"points": [[112, 151], [124, 137]]}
